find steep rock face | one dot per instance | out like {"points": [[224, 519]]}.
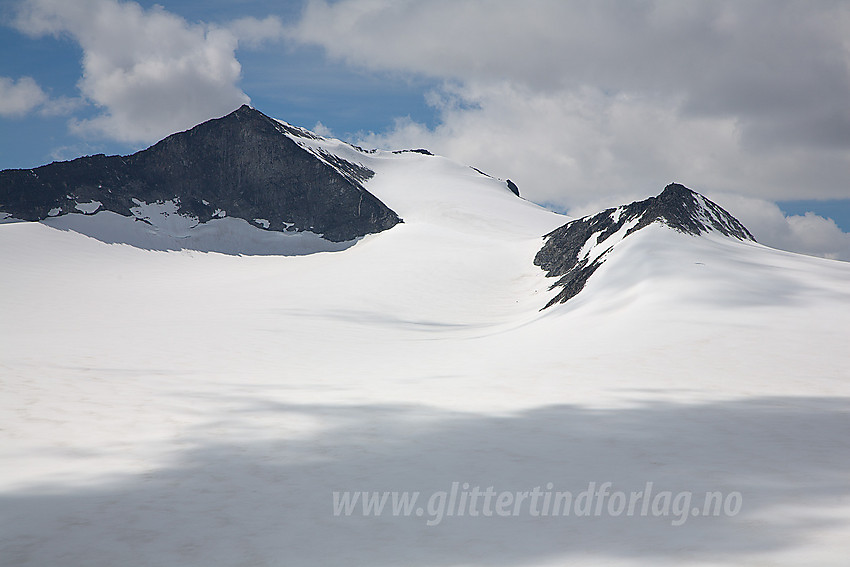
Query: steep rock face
{"points": [[575, 250], [243, 165]]}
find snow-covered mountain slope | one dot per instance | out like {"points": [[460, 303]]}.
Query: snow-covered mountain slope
{"points": [[189, 408]]}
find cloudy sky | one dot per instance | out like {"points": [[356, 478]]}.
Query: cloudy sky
{"points": [[584, 104]]}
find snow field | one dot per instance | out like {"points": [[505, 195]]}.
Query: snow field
{"points": [[198, 408]]}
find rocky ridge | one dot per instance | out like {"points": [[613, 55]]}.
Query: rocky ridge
{"points": [[574, 251]]}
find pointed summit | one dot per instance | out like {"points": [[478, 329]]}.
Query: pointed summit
{"points": [[575, 250], [687, 211], [244, 165]]}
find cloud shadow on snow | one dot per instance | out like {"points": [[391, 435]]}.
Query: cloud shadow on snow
{"points": [[231, 236], [238, 501]]}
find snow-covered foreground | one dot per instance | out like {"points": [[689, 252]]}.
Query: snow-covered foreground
{"points": [[189, 408]]}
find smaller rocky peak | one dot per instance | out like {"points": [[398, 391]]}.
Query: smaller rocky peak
{"points": [[687, 211], [575, 250]]}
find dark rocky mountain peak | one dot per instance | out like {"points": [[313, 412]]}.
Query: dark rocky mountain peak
{"points": [[243, 165], [687, 211], [575, 250]]}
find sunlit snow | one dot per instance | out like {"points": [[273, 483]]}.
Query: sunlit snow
{"points": [[163, 405]]}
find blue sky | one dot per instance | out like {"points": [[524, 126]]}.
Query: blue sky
{"points": [[583, 104], [295, 83]]}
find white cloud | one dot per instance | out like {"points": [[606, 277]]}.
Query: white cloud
{"points": [[780, 67], [748, 96], [20, 97], [322, 130], [61, 106], [151, 72], [573, 147], [584, 103], [583, 167], [807, 234]]}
